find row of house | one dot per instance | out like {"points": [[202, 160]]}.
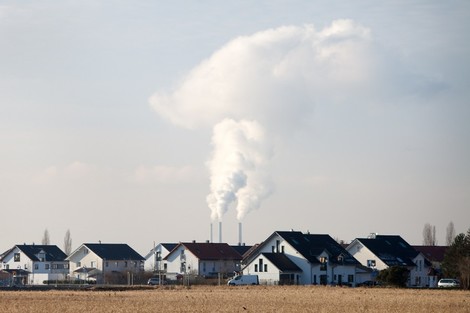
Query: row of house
{"points": [[285, 257]]}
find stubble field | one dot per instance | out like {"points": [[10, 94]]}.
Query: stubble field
{"points": [[238, 299]]}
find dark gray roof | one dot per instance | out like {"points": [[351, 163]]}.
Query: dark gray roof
{"points": [[169, 246], [311, 246], [114, 251], [52, 252], [210, 251], [391, 249], [282, 262], [241, 249]]}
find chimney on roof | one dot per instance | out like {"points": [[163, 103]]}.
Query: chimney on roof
{"points": [[194, 241]]}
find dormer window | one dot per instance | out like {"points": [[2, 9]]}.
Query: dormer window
{"points": [[324, 263]]}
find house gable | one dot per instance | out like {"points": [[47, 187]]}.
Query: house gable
{"points": [[392, 250]]}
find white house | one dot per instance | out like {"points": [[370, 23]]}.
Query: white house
{"points": [[379, 252], [100, 261], [154, 260], [274, 269], [34, 264], [203, 259], [296, 258]]}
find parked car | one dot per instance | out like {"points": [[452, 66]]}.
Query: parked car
{"points": [[155, 281], [244, 280], [448, 283]]}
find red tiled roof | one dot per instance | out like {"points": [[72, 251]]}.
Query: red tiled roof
{"points": [[432, 253]]}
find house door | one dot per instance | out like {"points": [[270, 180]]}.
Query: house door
{"points": [[340, 280]]}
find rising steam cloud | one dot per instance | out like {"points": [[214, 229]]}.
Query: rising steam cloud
{"points": [[262, 84], [237, 167]]}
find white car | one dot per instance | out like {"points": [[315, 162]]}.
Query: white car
{"points": [[448, 283]]}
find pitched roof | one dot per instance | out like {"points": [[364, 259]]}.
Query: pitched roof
{"points": [[241, 249], [52, 252], [391, 249], [169, 246], [311, 246], [114, 251], [211, 251], [282, 262], [432, 253]]}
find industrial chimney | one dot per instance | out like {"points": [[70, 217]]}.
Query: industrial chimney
{"points": [[220, 231], [240, 241], [211, 238]]}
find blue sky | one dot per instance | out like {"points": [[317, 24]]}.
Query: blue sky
{"points": [[108, 109]]}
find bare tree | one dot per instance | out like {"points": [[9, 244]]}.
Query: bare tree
{"points": [[45, 238], [429, 235], [67, 243], [450, 233]]}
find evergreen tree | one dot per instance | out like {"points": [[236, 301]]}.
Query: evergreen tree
{"points": [[456, 262]]}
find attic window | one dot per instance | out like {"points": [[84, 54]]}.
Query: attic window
{"points": [[16, 257]]}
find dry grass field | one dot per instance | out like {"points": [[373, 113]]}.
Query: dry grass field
{"points": [[238, 299]]}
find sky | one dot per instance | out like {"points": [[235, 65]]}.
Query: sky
{"points": [[142, 122]]}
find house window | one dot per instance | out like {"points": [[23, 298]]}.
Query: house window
{"points": [[204, 267], [36, 266], [324, 263], [278, 242], [350, 278], [125, 263], [273, 250], [256, 267], [26, 266], [54, 266], [79, 264], [265, 267], [47, 266], [66, 265], [282, 249], [165, 266], [106, 264], [370, 263], [7, 266], [260, 265], [16, 257]]}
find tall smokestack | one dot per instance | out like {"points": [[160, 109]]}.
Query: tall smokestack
{"points": [[220, 232], [240, 242], [211, 234]]}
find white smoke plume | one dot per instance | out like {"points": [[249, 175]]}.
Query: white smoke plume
{"points": [[268, 82], [237, 167]]}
